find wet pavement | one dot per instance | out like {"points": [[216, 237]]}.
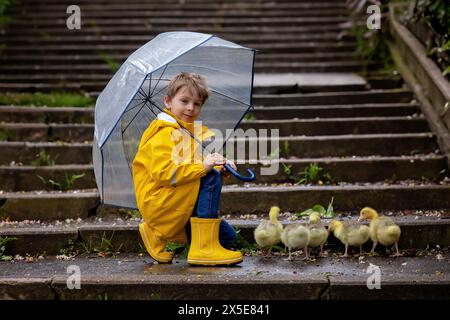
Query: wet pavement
{"points": [[257, 277]]}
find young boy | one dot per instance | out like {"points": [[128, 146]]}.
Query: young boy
{"points": [[170, 191]]}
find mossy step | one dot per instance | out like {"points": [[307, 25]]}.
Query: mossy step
{"points": [[144, 29], [40, 132], [361, 169], [185, 13], [199, 21], [46, 114], [191, 5], [162, 3], [155, 29], [237, 199], [297, 146], [127, 49], [121, 236], [136, 39], [333, 98], [333, 111], [135, 277], [11, 72], [90, 59], [86, 115]]}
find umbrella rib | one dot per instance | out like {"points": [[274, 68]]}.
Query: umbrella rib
{"points": [[154, 104], [140, 95], [159, 91], [137, 105], [129, 123], [165, 67], [231, 98], [151, 109], [149, 84], [141, 91]]}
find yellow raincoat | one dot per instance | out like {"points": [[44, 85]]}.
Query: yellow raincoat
{"points": [[166, 171]]}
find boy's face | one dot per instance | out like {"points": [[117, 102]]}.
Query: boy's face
{"points": [[186, 104]]}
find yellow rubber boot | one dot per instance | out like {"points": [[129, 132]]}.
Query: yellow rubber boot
{"points": [[155, 246], [205, 247]]}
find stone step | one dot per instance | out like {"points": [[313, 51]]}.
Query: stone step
{"points": [[134, 277], [46, 114], [235, 200], [39, 75], [337, 126], [299, 146], [96, 77], [323, 98], [232, 3], [93, 88], [358, 169], [333, 98], [40, 132], [93, 61], [183, 13], [35, 132], [385, 82], [141, 39], [144, 29], [346, 197], [310, 47], [38, 72], [165, 2], [57, 152], [52, 237], [310, 88], [27, 87], [86, 115], [210, 22], [370, 83], [330, 111], [186, 6], [27, 178], [306, 67]]}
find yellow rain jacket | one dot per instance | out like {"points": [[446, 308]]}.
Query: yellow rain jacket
{"points": [[166, 171]]}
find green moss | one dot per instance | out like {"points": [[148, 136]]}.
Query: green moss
{"points": [[436, 16], [4, 18], [3, 242], [113, 65]]}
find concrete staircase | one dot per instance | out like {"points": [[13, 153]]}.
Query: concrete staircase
{"points": [[40, 53], [371, 137]]}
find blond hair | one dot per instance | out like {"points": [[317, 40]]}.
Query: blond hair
{"points": [[192, 81]]}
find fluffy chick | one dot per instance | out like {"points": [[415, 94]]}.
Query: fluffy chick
{"points": [[295, 236], [318, 233], [268, 233], [350, 234], [382, 229]]}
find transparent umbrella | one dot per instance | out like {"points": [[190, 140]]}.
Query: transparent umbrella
{"points": [[134, 97]]}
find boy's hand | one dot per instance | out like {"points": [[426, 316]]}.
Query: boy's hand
{"points": [[211, 160], [226, 174]]}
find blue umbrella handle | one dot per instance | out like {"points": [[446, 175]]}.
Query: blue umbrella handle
{"points": [[239, 176]]}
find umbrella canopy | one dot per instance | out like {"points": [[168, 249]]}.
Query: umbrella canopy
{"points": [[134, 97]]}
